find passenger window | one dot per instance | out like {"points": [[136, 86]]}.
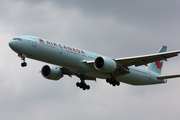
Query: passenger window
{"points": [[17, 39]]}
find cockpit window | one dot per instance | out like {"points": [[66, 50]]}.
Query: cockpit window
{"points": [[17, 39]]}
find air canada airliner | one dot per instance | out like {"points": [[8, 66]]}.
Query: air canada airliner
{"points": [[67, 60]]}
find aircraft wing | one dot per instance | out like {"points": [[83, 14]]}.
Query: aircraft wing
{"points": [[145, 59], [66, 71], [70, 72]]}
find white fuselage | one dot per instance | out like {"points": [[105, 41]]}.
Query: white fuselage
{"points": [[72, 58]]}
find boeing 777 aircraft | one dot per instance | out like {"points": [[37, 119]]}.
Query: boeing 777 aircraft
{"points": [[67, 60]]}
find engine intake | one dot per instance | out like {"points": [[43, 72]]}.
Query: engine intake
{"points": [[51, 72], [105, 64]]}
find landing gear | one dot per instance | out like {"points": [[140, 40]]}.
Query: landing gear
{"points": [[23, 64], [113, 81], [83, 85]]}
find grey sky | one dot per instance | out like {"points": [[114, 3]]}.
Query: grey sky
{"points": [[113, 28]]}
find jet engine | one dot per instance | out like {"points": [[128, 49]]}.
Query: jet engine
{"points": [[51, 72], [105, 64]]}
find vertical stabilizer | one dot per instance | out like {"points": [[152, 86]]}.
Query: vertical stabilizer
{"points": [[157, 66]]}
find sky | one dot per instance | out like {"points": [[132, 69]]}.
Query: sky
{"points": [[114, 28]]}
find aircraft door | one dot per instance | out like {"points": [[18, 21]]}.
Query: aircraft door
{"points": [[60, 51], [34, 44], [150, 76]]}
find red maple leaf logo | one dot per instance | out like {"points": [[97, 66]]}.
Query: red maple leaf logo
{"points": [[41, 41], [158, 64]]}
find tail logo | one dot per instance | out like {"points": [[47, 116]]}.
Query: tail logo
{"points": [[158, 64]]}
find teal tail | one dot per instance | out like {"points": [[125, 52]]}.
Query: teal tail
{"points": [[157, 66]]}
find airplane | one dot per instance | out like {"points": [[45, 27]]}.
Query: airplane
{"points": [[67, 60]]}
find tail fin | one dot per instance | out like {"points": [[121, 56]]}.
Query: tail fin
{"points": [[157, 66]]}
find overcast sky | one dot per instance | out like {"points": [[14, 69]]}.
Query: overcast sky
{"points": [[110, 27]]}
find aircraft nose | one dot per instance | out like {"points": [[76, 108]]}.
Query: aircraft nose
{"points": [[11, 44], [15, 45]]}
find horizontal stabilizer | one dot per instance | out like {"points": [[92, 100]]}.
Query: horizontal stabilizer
{"points": [[168, 77]]}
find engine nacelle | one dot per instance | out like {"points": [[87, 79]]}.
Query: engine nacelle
{"points": [[51, 72], [105, 64]]}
